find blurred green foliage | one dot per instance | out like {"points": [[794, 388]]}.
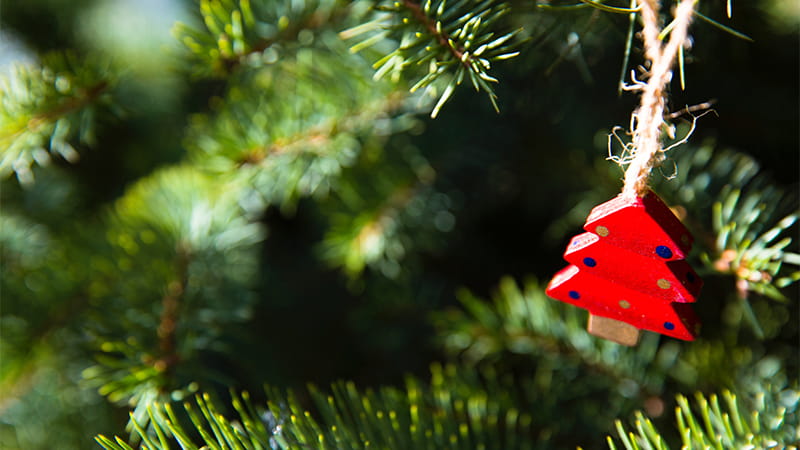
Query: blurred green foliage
{"points": [[44, 108], [723, 423], [262, 198], [457, 42]]}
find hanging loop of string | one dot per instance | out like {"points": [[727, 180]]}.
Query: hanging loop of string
{"points": [[648, 118]]}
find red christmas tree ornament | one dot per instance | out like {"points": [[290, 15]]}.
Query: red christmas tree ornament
{"points": [[628, 270]]}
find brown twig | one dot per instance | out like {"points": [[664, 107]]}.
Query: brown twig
{"points": [[315, 139], [170, 310], [441, 36], [73, 104], [690, 109], [312, 22]]}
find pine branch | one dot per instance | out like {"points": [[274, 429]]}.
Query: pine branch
{"points": [[357, 241], [527, 325], [419, 416], [458, 408], [251, 32], [747, 247], [290, 132], [382, 213], [176, 271], [170, 315], [744, 222], [768, 422], [455, 41], [526, 322], [35, 259], [46, 107], [441, 36]]}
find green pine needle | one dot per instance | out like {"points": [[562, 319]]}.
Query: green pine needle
{"points": [[163, 236], [752, 221], [49, 108], [613, 9], [250, 32], [452, 40], [767, 424], [722, 27], [420, 416]]}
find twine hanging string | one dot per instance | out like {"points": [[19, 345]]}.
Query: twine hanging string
{"points": [[648, 118]]}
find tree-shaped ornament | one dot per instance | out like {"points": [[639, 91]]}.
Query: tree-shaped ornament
{"points": [[628, 269]]}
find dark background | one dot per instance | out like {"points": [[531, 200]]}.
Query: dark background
{"points": [[512, 175]]}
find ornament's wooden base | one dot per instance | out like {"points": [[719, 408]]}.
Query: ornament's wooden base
{"points": [[613, 330]]}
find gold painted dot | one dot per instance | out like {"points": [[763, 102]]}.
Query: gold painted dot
{"points": [[663, 284], [685, 239], [624, 304], [697, 327], [602, 231]]}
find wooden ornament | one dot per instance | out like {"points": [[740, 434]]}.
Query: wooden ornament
{"points": [[676, 281], [643, 225], [613, 330], [628, 271]]}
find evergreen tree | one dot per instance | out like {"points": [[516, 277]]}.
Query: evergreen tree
{"points": [[329, 224]]}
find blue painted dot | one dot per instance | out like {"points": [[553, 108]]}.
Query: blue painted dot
{"points": [[590, 262], [690, 277], [669, 325], [664, 251], [574, 295]]}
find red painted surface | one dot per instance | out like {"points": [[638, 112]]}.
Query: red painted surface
{"points": [[598, 257], [607, 299], [640, 225], [630, 266]]}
